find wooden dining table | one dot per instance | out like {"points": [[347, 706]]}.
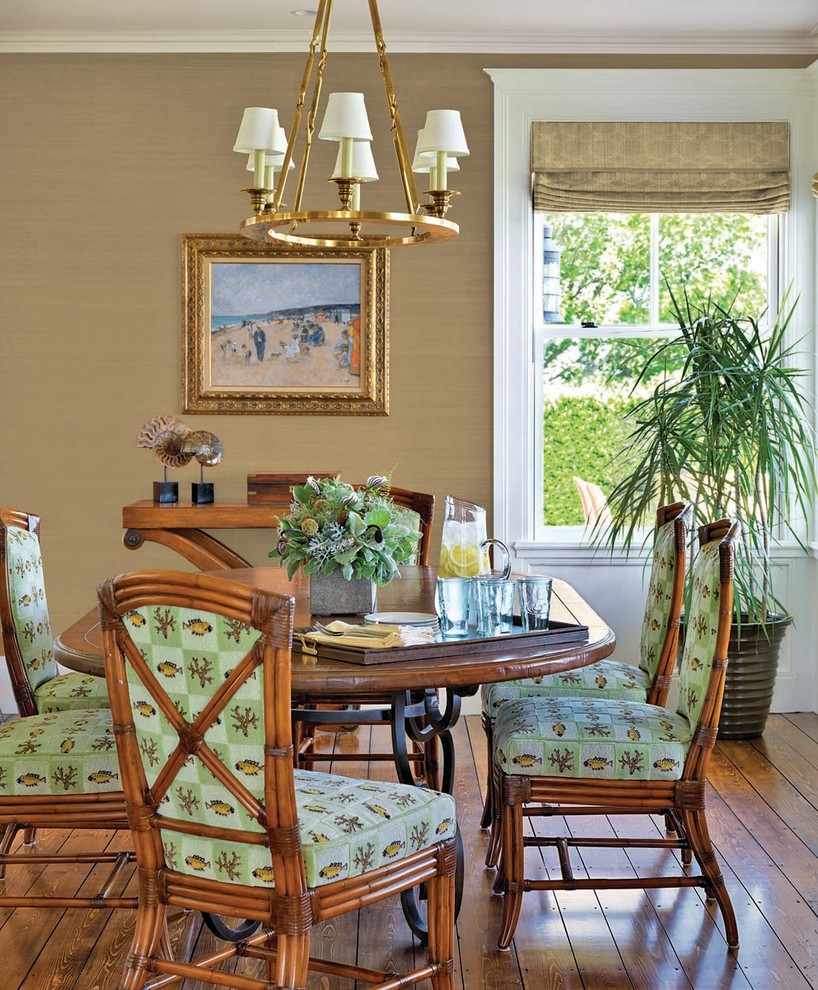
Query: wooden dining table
{"points": [[579, 637], [453, 664]]}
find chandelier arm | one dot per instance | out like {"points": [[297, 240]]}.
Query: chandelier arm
{"points": [[322, 23], [299, 107], [398, 137]]}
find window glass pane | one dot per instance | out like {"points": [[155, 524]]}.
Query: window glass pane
{"points": [[716, 254], [605, 279], [588, 387], [604, 266]]}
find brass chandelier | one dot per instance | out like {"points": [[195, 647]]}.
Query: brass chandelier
{"points": [[261, 137]]}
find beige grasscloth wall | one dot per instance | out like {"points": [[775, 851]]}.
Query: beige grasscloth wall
{"points": [[105, 161]]}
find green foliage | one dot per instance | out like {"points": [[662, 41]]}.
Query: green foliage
{"points": [[332, 526], [581, 436], [729, 432], [605, 262]]}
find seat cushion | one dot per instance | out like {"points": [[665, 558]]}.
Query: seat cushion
{"points": [[67, 692], [347, 827], [59, 753], [603, 679], [584, 737]]}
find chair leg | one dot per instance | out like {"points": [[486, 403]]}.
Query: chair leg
{"points": [[488, 804], [6, 842], [695, 825], [288, 970], [494, 799], [513, 859], [30, 837], [439, 916], [497, 886], [148, 937]]}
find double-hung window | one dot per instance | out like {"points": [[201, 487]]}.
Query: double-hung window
{"points": [[631, 218]]}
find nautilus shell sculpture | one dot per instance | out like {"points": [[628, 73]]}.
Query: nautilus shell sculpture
{"points": [[175, 444]]}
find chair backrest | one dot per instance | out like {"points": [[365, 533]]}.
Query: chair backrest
{"points": [[27, 638], [594, 504], [423, 506], [198, 672], [663, 608], [707, 631]]}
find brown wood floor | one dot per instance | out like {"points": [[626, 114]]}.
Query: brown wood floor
{"points": [[762, 812]]}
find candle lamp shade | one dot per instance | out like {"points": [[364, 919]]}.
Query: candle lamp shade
{"points": [[258, 131], [345, 117], [443, 131], [363, 164]]}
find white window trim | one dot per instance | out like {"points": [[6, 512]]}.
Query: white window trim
{"points": [[522, 96]]}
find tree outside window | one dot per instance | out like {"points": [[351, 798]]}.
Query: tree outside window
{"points": [[614, 269]]}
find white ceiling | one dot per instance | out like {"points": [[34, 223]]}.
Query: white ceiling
{"points": [[724, 26]]}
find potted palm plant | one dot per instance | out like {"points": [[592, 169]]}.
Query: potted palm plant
{"points": [[729, 431]]}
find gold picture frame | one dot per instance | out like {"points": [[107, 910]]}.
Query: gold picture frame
{"points": [[283, 330]]}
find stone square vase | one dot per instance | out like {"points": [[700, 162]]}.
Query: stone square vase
{"points": [[331, 594]]}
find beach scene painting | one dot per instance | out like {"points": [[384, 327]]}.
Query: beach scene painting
{"points": [[272, 328], [286, 325]]}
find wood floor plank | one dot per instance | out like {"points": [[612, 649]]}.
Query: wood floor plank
{"points": [[768, 919], [762, 812], [784, 799], [481, 965], [597, 958], [807, 722], [630, 914], [775, 895], [70, 956], [793, 753], [37, 928]]}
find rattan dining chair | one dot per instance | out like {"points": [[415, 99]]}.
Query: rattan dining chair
{"points": [[371, 709], [648, 682], [199, 673], [566, 756], [26, 629], [59, 770]]}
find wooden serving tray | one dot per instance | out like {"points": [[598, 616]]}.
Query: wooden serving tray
{"points": [[556, 634]]}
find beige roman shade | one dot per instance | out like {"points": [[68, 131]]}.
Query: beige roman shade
{"points": [[661, 166]]}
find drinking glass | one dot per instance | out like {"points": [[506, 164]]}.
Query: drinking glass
{"points": [[535, 601], [453, 606], [494, 597]]}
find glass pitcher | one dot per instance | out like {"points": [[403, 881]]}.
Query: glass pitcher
{"points": [[464, 547]]}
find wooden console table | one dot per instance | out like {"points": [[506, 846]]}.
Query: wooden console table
{"points": [[181, 527]]}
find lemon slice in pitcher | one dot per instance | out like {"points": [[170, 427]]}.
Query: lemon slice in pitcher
{"points": [[465, 559]]}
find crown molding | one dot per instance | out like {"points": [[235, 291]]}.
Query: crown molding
{"points": [[296, 41]]}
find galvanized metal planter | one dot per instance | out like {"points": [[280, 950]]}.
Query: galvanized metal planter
{"points": [[331, 594], [751, 669]]}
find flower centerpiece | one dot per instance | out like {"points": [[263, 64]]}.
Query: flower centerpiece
{"points": [[345, 534]]}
